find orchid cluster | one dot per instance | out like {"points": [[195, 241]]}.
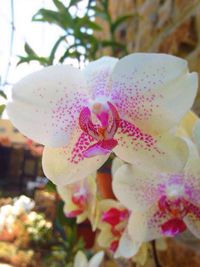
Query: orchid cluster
{"points": [[136, 108]]}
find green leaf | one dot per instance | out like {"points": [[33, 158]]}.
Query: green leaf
{"points": [[107, 43], [54, 49], [74, 2], [29, 50], [27, 59], [87, 23], [59, 6], [64, 20], [3, 94], [119, 21], [68, 53], [2, 107]]}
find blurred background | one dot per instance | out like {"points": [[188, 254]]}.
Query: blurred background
{"points": [[38, 33]]}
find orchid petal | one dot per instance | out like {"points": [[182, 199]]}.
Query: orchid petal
{"points": [[116, 164], [127, 247], [154, 91], [192, 181], [96, 260], [105, 237], [67, 165], [186, 125], [80, 260], [196, 133], [98, 76], [47, 103], [145, 226], [192, 221], [137, 189], [165, 153]]}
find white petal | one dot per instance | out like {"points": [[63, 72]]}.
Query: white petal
{"points": [[46, 104], [66, 165], [143, 227], [80, 260], [116, 164], [165, 153], [127, 247], [193, 224], [192, 180], [196, 133], [96, 260], [137, 189], [98, 76], [153, 90]]}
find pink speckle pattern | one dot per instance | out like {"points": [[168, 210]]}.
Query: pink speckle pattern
{"points": [[100, 82], [135, 96], [65, 112], [195, 210], [82, 144], [62, 110], [138, 138]]}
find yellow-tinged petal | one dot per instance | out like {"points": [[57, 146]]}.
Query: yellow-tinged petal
{"points": [[153, 91], [169, 153], [64, 167], [80, 260], [187, 123]]}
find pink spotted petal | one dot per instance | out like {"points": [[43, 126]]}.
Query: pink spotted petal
{"points": [[154, 91], [173, 227], [46, 104], [146, 226], [136, 188], [98, 76], [163, 153], [68, 164]]}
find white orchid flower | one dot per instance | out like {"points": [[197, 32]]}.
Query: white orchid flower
{"points": [[81, 260], [122, 105], [162, 204]]}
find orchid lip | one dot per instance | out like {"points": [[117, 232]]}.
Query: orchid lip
{"points": [[103, 131], [173, 227]]}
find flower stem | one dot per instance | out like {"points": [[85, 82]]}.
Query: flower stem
{"points": [[155, 254]]}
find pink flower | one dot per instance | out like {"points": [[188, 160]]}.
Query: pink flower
{"points": [[123, 106]]}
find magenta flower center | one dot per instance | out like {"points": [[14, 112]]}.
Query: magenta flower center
{"points": [[173, 227], [100, 122], [177, 209], [114, 216]]}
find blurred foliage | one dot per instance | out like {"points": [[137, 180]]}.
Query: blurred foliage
{"points": [[81, 29], [62, 254], [3, 95], [2, 107]]}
